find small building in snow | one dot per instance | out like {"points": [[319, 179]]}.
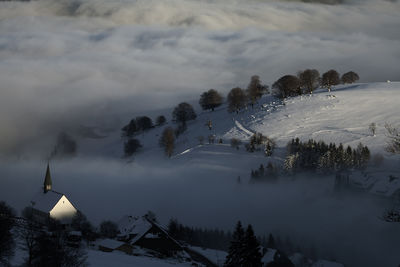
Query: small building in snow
{"points": [[145, 233], [109, 245], [51, 204]]}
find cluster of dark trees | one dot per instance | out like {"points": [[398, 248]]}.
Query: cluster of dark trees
{"points": [[47, 245], [269, 173], [51, 244], [238, 98], [258, 142], [181, 114], [53, 249], [7, 243], [245, 249], [207, 238], [135, 126], [140, 124], [308, 80], [318, 156]]}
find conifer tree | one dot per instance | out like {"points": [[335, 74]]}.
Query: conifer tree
{"points": [[271, 242], [234, 257], [251, 249]]}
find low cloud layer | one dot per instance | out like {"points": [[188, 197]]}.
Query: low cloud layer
{"points": [[342, 227], [65, 64]]}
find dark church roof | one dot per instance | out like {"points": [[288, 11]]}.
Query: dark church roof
{"points": [[46, 201]]}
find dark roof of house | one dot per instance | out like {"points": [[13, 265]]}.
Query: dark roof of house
{"points": [[135, 227], [46, 201]]}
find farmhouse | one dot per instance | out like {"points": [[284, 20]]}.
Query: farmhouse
{"points": [[51, 204], [146, 233]]}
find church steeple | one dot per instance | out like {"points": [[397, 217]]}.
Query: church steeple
{"points": [[47, 180]]}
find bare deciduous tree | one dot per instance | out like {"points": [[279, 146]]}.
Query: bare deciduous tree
{"points": [[235, 143], [287, 85], [131, 146], [210, 99], [200, 139], [236, 99], [183, 113], [372, 128], [161, 120], [330, 78], [350, 77], [255, 89], [167, 141], [309, 79]]}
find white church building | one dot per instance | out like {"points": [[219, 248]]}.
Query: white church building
{"points": [[51, 204]]}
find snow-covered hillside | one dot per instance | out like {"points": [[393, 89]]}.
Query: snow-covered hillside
{"points": [[342, 116]]}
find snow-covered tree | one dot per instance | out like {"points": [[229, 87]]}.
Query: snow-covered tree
{"points": [[291, 162], [393, 134]]}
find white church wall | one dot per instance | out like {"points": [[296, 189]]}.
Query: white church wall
{"points": [[63, 210]]}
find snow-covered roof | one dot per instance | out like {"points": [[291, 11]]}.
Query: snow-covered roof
{"points": [[75, 233], [133, 225], [46, 201], [109, 243], [268, 256]]}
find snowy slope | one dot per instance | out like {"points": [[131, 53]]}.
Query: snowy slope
{"points": [[341, 117]]}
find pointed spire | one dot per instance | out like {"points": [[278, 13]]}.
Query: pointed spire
{"points": [[47, 180]]}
